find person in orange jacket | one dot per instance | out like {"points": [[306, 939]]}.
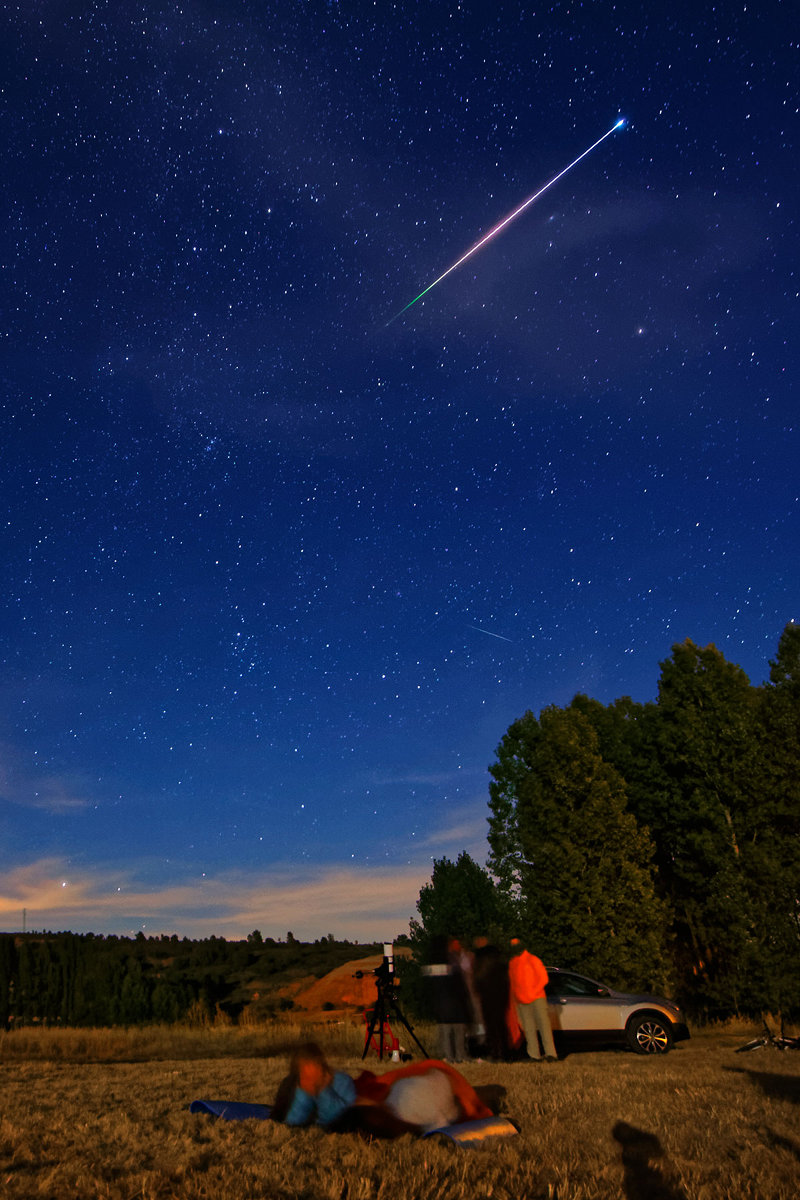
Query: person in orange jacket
{"points": [[528, 978]]}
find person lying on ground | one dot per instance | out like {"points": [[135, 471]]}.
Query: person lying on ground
{"points": [[411, 1099], [311, 1093]]}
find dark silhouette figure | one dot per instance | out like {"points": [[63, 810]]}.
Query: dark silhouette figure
{"points": [[449, 998], [643, 1180], [490, 973]]}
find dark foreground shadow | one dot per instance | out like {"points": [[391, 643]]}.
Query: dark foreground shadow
{"points": [[643, 1180], [777, 1087], [778, 1142]]}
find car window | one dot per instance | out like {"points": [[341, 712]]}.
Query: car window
{"points": [[567, 984]]}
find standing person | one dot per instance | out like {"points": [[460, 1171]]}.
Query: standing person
{"points": [[450, 1001], [491, 984], [464, 960], [527, 976]]}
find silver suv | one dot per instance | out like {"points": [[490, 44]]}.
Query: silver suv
{"points": [[583, 1010]]}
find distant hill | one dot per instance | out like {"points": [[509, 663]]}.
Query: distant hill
{"points": [[93, 980]]}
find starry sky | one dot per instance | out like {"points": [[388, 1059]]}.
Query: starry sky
{"points": [[278, 569]]}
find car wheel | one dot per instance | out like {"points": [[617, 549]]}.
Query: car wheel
{"points": [[649, 1034]]}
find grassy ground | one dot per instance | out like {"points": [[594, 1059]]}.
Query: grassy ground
{"points": [[701, 1122]]}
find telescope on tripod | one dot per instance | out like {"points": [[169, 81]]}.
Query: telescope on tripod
{"points": [[379, 1030]]}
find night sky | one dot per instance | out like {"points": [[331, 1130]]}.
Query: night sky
{"points": [[277, 575]]}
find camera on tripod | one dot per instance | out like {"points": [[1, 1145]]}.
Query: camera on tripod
{"points": [[379, 1032], [385, 978]]}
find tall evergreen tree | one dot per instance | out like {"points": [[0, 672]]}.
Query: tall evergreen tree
{"points": [[515, 756], [582, 865], [703, 767], [772, 846]]}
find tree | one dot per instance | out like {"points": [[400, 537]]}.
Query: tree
{"points": [[784, 670], [8, 972], [772, 848], [515, 756], [713, 771], [587, 898], [461, 901], [703, 770], [165, 1003], [134, 995]]}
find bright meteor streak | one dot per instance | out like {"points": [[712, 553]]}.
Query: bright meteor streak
{"points": [[507, 220]]}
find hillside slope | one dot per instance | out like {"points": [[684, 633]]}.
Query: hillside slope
{"points": [[340, 992]]}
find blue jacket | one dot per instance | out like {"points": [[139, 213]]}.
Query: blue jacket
{"points": [[327, 1107]]}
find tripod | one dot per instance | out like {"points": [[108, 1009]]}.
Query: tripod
{"points": [[385, 1003]]}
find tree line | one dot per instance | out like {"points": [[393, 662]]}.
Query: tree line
{"points": [[654, 845], [94, 980]]}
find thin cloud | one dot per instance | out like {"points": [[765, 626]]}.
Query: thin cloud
{"points": [[466, 831], [419, 778], [359, 903], [49, 793]]}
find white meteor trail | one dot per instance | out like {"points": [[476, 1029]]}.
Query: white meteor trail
{"points": [[489, 633], [507, 220]]}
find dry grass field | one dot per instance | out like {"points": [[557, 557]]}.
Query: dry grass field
{"points": [[105, 1114]]}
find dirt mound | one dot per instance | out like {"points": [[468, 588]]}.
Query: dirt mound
{"points": [[340, 989]]}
